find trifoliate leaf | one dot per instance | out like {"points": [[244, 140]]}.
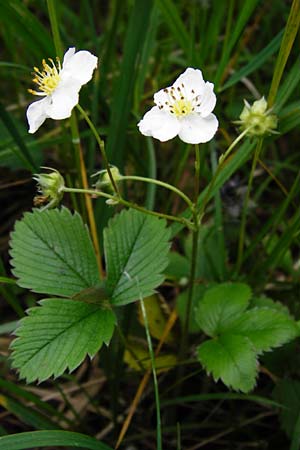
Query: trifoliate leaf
{"points": [[136, 253], [58, 335], [52, 253], [232, 359], [266, 328], [221, 305]]}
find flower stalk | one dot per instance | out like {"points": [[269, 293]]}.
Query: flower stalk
{"points": [[100, 143], [162, 184], [197, 222], [119, 200]]}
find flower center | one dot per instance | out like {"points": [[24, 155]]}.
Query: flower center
{"points": [[48, 78], [180, 102], [182, 107]]}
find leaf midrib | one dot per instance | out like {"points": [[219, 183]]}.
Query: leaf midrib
{"points": [[129, 255], [58, 335]]}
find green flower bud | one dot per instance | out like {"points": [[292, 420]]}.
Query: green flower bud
{"points": [[50, 186], [104, 182], [257, 118]]}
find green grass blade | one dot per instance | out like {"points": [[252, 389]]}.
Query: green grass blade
{"points": [[282, 245], [27, 414], [295, 444], [176, 25], [214, 30], [18, 391], [221, 396], [290, 83], [8, 328], [122, 100], [34, 439], [220, 262], [240, 23], [21, 151], [290, 33], [255, 62], [6, 280], [236, 161], [34, 36]]}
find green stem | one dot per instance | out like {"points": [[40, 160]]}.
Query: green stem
{"points": [[197, 172], [118, 199], [245, 207], [233, 144], [160, 183], [100, 143], [150, 198], [54, 27], [185, 333], [157, 402]]}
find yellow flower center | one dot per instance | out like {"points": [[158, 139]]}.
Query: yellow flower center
{"points": [[182, 107], [180, 101], [47, 79]]}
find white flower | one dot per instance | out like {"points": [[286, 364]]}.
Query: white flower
{"points": [[60, 86], [184, 109]]}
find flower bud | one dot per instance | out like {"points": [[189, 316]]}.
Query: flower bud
{"points": [[104, 182], [257, 119], [50, 185]]}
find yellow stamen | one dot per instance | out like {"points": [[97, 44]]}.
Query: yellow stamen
{"points": [[48, 78]]}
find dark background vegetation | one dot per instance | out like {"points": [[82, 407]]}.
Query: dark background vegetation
{"points": [[142, 46]]}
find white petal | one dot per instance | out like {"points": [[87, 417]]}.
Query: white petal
{"points": [[36, 114], [63, 100], [196, 129], [68, 55], [159, 124], [207, 99], [161, 97], [192, 80], [79, 66]]}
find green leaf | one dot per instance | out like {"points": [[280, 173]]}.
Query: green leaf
{"points": [[57, 336], [232, 359], [136, 253], [221, 305], [265, 327], [181, 304], [30, 440], [266, 302], [52, 253]]}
